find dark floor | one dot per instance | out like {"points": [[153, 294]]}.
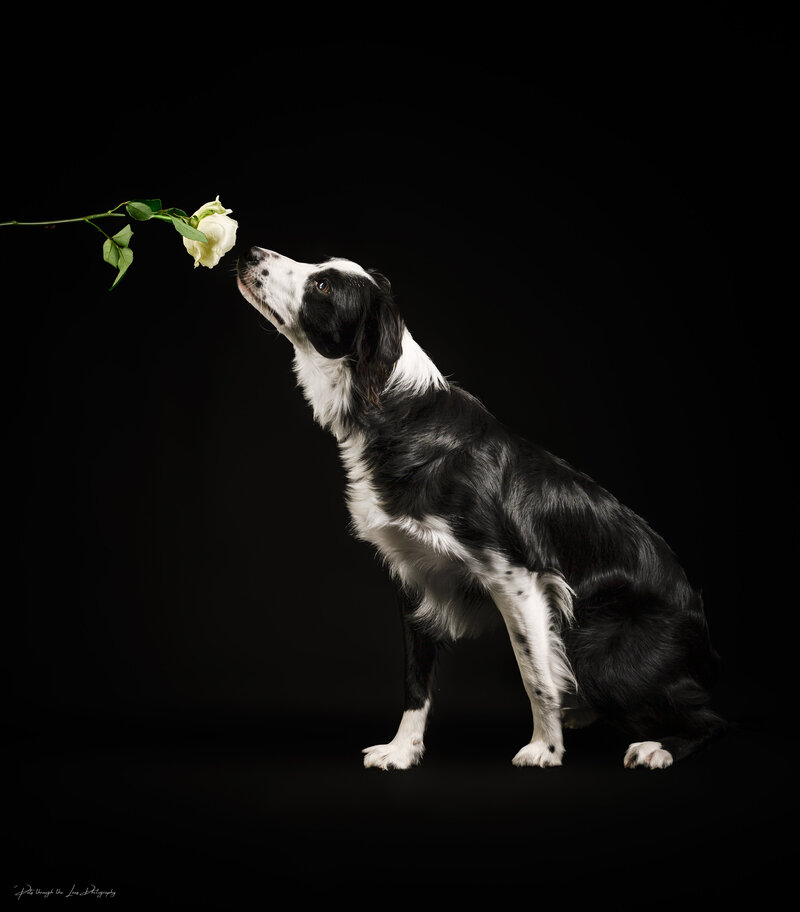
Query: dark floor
{"points": [[224, 814]]}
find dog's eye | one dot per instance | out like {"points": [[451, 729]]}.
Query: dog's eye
{"points": [[323, 286]]}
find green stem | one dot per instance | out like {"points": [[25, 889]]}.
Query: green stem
{"points": [[89, 222], [86, 218]]}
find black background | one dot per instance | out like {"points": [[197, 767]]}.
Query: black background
{"points": [[585, 223]]}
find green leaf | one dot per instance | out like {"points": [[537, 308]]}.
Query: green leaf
{"points": [[112, 248], [174, 211], [111, 252], [187, 231], [155, 205], [117, 253], [125, 260], [123, 236], [141, 211]]}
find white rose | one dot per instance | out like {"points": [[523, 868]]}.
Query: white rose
{"points": [[220, 230]]}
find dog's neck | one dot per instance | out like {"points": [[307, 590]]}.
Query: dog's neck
{"points": [[327, 384], [414, 372]]}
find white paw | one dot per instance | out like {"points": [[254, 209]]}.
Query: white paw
{"points": [[539, 753], [395, 755], [648, 754]]}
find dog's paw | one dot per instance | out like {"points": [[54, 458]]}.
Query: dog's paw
{"points": [[539, 753], [648, 754], [397, 755]]}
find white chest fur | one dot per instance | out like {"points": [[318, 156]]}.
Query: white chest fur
{"points": [[422, 553]]}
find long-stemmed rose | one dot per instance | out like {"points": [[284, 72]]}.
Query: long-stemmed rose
{"points": [[206, 248]]}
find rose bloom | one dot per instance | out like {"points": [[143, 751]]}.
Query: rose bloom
{"points": [[220, 230]]}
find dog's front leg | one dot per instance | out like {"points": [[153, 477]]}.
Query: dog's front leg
{"points": [[407, 746], [526, 604]]}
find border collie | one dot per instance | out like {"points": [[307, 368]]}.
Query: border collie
{"points": [[472, 520]]}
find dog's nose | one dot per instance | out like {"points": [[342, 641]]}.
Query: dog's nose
{"points": [[253, 256]]}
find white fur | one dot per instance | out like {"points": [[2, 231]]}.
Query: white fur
{"points": [[326, 384], [649, 754], [538, 753], [527, 603], [423, 554], [414, 371], [407, 746]]}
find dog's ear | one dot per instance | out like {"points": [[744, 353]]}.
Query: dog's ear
{"points": [[379, 341]]}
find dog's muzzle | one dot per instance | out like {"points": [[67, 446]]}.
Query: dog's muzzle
{"points": [[252, 270]]}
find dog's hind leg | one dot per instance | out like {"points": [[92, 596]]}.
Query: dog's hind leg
{"points": [[645, 664], [407, 746], [694, 722], [533, 606]]}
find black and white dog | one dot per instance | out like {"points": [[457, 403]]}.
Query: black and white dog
{"points": [[472, 520]]}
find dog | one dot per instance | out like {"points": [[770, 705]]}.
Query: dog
{"points": [[473, 521]]}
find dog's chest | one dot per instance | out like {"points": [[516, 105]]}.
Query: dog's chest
{"points": [[420, 551], [423, 554]]}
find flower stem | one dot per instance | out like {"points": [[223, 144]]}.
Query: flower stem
{"points": [[89, 222], [84, 218]]}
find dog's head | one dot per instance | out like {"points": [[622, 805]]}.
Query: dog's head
{"points": [[335, 308]]}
